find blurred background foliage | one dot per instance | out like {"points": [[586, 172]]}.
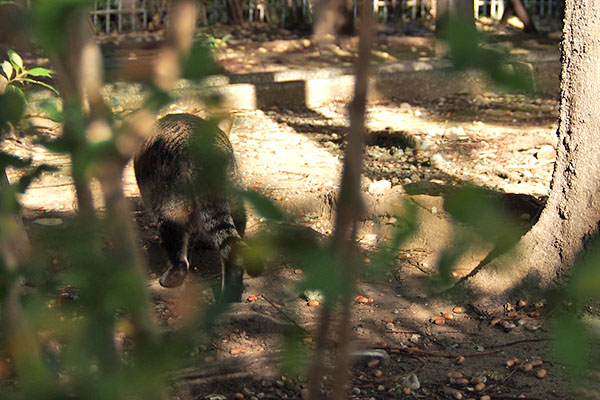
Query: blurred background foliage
{"points": [[71, 328]]}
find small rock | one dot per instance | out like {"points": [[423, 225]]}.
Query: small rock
{"points": [[546, 153], [363, 357], [355, 391], [455, 133], [411, 382], [279, 384], [379, 187], [404, 107], [381, 388], [532, 327]]}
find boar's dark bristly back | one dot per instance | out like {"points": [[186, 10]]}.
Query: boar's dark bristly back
{"points": [[186, 173]]}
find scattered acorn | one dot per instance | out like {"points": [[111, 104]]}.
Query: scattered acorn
{"points": [[455, 375], [460, 381], [458, 310], [361, 299], [313, 303], [495, 321], [448, 315], [455, 394], [512, 362], [526, 367], [438, 320], [537, 363], [477, 379], [508, 325], [522, 303], [541, 374], [479, 387], [539, 304], [460, 360], [373, 363]]}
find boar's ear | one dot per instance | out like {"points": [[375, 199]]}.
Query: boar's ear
{"points": [[225, 124]]}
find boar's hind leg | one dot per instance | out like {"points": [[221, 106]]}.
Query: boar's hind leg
{"points": [[217, 222], [174, 239]]}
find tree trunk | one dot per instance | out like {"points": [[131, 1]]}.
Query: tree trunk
{"points": [[571, 216], [235, 11], [517, 7]]}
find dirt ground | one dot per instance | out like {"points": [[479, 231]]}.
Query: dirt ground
{"points": [[402, 334]]}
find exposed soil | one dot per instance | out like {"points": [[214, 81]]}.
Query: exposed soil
{"points": [[415, 151]]}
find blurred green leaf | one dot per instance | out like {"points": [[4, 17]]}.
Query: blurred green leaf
{"points": [[264, 206], [405, 227], [50, 17], [39, 71], [47, 86], [12, 106], [50, 107], [467, 50], [8, 69], [482, 209], [294, 351], [572, 340], [58, 145], [157, 99], [585, 279], [199, 63], [16, 60]]}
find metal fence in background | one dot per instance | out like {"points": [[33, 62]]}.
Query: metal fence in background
{"points": [[127, 15]]}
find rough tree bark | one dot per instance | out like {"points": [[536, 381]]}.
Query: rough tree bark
{"points": [[571, 216], [518, 8], [235, 11]]}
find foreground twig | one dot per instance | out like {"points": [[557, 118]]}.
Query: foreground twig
{"points": [[416, 351], [350, 207]]}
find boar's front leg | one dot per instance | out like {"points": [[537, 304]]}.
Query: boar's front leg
{"points": [[174, 238]]}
